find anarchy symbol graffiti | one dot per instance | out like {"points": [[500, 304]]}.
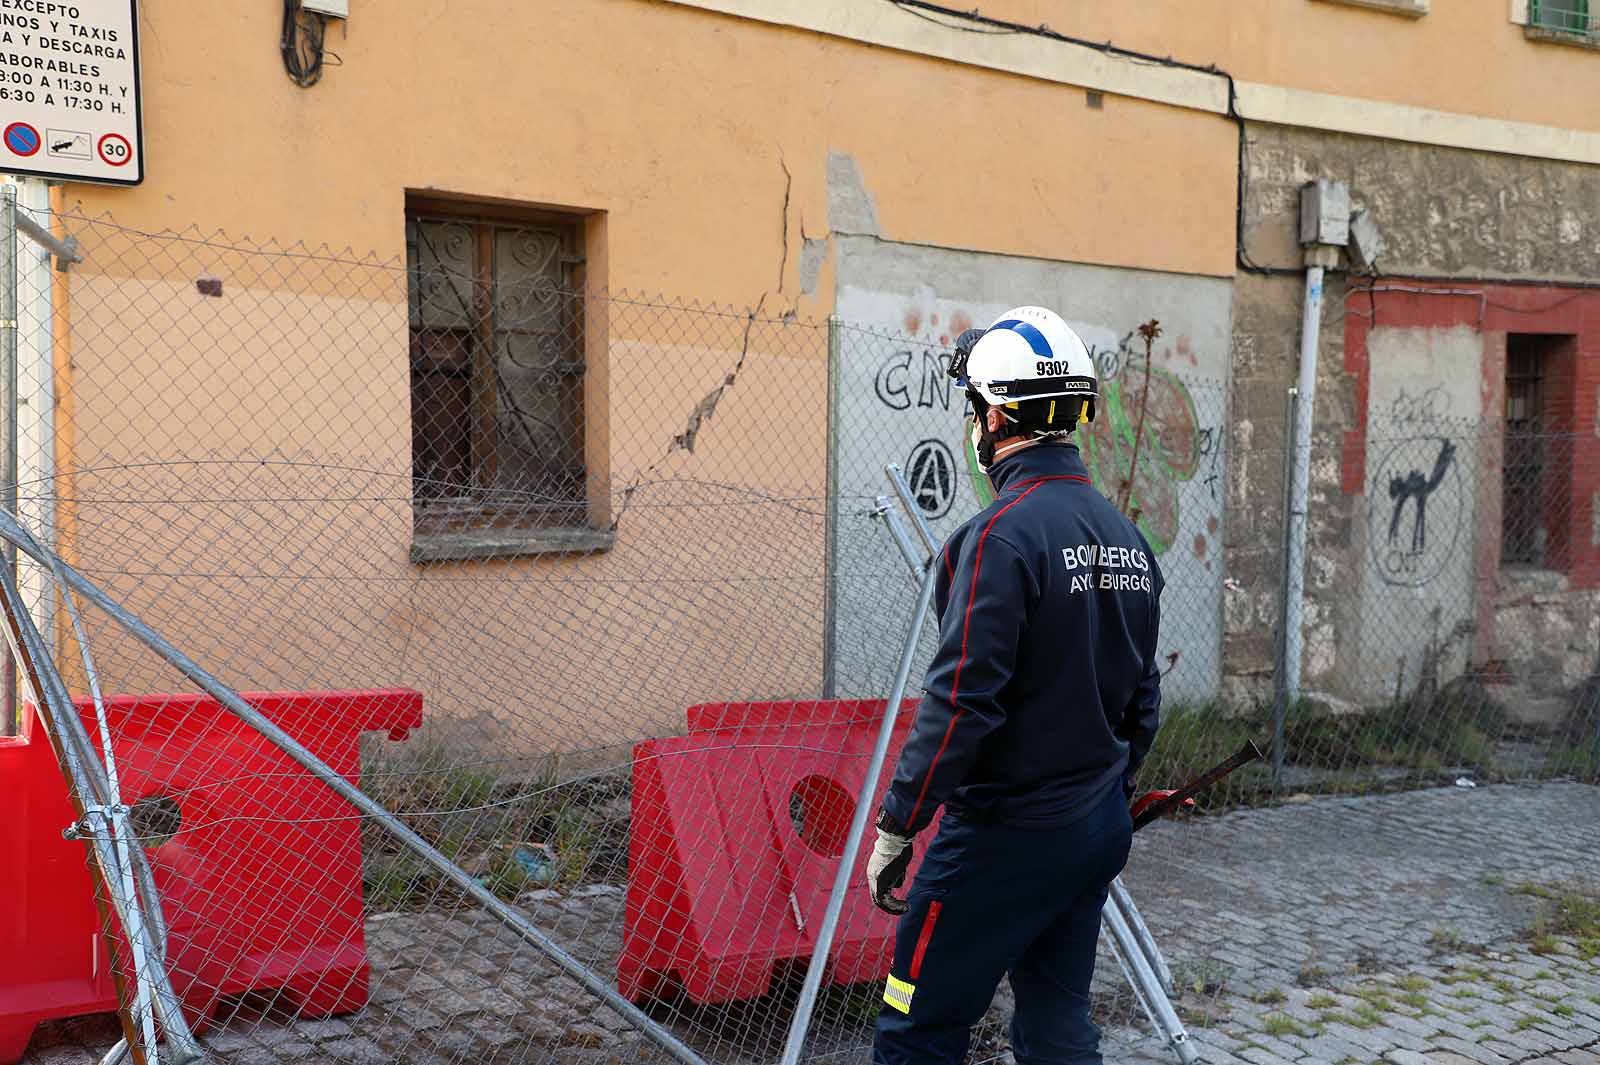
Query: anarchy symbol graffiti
{"points": [[931, 473]]}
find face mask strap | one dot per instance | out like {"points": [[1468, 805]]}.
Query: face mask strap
{"points": [[980, 420]]}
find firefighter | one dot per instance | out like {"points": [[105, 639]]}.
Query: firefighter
{"points": [[1040, 704]]}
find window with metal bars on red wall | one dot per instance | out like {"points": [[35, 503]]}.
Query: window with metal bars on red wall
{"points": [[1541, 384]]}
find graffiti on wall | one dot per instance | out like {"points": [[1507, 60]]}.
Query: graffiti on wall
{"points": [[1169, 451], [1415, 488], [930, 472], [1419, 503], [919, 379], [1173, 449], [894, 401]]}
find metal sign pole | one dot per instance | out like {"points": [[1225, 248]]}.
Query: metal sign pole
{"points": [[8, 370]]}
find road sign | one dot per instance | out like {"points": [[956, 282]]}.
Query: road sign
{"points": [[68, 143], [114, 150], [21, 139], [72, 71]]}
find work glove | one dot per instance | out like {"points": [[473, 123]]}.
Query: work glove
{"points": [[886, 870]]}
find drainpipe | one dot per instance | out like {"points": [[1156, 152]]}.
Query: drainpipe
{"points": [[1324, 229]]}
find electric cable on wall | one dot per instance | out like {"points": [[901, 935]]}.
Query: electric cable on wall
{"points": [[302, 44]]}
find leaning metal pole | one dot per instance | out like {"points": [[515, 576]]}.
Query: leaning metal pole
{"points": [[169, 1012], [800, 1023], [11, 530], [909, 501], [117, 823], [75, 742], [1144, 976], [1120, 898], [88, 792], [155, 922]]}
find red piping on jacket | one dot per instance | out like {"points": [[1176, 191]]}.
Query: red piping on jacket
{"points": [[966, 630]]}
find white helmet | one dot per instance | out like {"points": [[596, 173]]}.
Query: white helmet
{"points": [[1029, 353]]}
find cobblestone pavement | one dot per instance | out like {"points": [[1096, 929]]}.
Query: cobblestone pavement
{"points": [[1335, 931]]}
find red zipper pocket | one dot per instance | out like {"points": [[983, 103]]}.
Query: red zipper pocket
{"points": [[922, 940]]}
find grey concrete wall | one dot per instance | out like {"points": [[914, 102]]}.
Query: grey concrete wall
{"points": [[1417, 593], [1442, 212], [904, 305]]}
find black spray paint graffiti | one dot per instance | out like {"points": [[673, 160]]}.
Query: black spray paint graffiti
{"points": [[1429, 404], [931, 474], [1417, 487], [1424, 484], [905, 380], [1109, 361], [1210, 448]]}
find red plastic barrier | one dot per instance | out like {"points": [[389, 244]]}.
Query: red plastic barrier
{"points": [[261, 881], [736, 833]]}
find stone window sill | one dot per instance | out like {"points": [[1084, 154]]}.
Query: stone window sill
{"points": [[1567, 37], [1408, 8], [477, 544]]}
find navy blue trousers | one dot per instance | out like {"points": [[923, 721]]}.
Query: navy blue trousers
{"points": [[990, 901]]}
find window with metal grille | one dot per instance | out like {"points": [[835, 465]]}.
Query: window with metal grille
{"points": [[1524, 458], [1569, 16], [497, 370]]}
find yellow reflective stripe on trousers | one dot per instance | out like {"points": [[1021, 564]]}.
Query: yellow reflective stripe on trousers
{"points": [[898, 994]]}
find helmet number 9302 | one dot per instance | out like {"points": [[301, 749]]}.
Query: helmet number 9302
{"points": [[1052, 369]]}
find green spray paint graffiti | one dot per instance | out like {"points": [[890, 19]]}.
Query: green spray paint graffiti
{"points": [[1169, 456]]}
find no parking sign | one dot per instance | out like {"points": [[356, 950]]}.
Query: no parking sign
{"points": [[69, 90]]}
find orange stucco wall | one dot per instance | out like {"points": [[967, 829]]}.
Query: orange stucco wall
{"points": [[677, 123], [1464, 56]]}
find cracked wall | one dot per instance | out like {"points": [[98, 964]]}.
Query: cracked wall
{"points": [[905, 304]]}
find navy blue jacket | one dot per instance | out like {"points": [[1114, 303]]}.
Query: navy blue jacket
{"points": [[1045, 691]]}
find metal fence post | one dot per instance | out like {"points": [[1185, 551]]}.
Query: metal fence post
{"points": [[830, 640], [1283, 686]]}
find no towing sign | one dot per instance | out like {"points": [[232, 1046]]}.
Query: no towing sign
{"points": [[69, 90]]}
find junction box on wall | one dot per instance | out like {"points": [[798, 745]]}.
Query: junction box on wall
{"points": [[331, 8]]}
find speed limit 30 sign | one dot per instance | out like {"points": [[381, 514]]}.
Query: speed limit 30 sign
{"points": [[69, 90]]}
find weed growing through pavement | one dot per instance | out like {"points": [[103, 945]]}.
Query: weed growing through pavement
{"points": [[1279, 1025]]}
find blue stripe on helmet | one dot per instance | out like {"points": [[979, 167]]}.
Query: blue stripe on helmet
{"points": [[1035, 339]]}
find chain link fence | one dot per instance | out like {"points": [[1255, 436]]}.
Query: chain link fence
{"points": [[591, 592]]}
